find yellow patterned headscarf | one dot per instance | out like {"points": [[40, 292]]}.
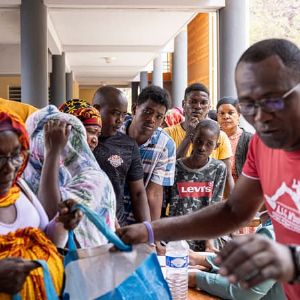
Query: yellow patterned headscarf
{"points": [[32, 243]]}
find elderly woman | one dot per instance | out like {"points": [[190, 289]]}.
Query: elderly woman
{"points": [[23, 221], [65, 160], [228, 117], [88, 115]]}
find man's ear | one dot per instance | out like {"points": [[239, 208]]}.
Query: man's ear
{"points": [[217, 146], [133, 108]]}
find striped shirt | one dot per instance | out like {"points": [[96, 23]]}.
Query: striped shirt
{"points": [[158, 156]]}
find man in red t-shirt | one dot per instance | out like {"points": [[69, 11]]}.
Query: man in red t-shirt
{"points": [[268, 86]]}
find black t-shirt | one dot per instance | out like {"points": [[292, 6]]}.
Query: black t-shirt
{"points": [[119, 157]]}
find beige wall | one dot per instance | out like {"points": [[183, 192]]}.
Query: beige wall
{"points": [[87, 92], [75, 89], [6, 82]]}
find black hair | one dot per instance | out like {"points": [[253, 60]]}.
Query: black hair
{"points": [[196, 87], [156, 94], [212, 114], [103, 95], [208, 124], [287, 51], [228, 100]]}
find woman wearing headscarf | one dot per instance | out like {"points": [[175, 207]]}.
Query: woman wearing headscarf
{"points": [[88, 115], [23, 221], [71, 169]]}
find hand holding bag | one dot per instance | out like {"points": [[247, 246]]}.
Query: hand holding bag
{"points": [[96, 273], [49, 287]]}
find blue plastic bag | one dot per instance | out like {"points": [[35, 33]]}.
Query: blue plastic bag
{"points": [[133, 273]]}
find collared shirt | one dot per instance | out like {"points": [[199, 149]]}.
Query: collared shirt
{"points": [[158, 156]]}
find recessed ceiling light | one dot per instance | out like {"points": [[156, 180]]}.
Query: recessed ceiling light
{"points": [[109, 59]]}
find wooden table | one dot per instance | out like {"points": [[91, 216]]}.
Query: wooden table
{"points": [[199, 295]]}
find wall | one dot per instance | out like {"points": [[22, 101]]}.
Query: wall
{"points": [[198, 50], [87, 92], [5, 82], [75, 89]]}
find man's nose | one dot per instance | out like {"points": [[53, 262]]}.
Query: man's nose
{"points": [[261, 116]]}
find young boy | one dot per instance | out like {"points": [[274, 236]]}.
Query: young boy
{"points": [[199, 179], [118, 155]]}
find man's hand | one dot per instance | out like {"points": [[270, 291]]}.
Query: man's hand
{"points": [[69, 218], [193, 122], [56, 135], [133, 234], [13, 273], [252, 259]]}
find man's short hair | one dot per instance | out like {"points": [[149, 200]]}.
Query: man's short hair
{"points": [[208, 124], [287, 51], [156, 94], [196, 87], [103, 94]]}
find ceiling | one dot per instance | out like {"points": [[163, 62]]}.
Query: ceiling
{"points": [[104, 41]]}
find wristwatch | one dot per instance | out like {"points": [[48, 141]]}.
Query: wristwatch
{"points": [[295, 251]]}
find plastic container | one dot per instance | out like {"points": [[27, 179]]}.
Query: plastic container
{"points": [[177, 262]]}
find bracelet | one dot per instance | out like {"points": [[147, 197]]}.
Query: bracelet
{"points": [[295, 252], [150, 232]]}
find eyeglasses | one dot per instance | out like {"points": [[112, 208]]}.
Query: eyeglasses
{"points": [[268, 105], [16, 159]]}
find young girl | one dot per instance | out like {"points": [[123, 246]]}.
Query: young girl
{"points": [[199, 179]]}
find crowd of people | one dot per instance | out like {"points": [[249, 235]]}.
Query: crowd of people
{"points": [[166, 172]]}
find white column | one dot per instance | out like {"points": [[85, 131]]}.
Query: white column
{"points": [[233, 42], [143, 80], [58, 80], [157, 75], [34, 53], [179, 75]]}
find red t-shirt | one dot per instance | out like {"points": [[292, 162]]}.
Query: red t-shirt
{"points": [[279, 174]]}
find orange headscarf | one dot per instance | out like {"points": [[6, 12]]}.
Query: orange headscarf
{"points": [[9, 121], [27, 243]]}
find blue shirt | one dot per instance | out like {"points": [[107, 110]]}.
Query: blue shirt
{"points": [[217, 285], [158, 156]]}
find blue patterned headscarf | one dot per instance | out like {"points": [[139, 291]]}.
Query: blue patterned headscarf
{"points": [[80, 177]]}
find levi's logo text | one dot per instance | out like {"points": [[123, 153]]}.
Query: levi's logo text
{"points": [[195, 189]]}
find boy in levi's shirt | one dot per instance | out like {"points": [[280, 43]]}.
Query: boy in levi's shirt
{"points": [[199, 179]]}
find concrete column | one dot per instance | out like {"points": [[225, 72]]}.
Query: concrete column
{"points": [[134, 91], [143, 79], [157, 75], [69, 86], [34, 53], [179, 74], [233, 42], [58, 80]]}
